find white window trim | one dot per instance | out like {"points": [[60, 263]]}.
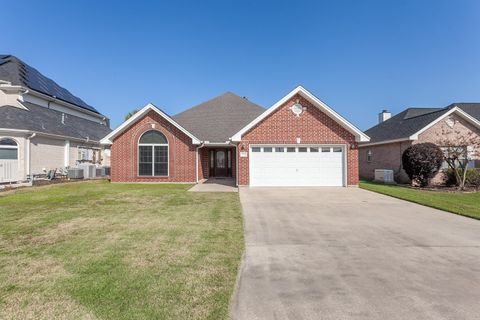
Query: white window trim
{"points": [[153, 145], [369, 155], [11, 147]]}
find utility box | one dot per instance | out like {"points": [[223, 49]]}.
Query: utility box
{"points": [[89, 170], [75, 173], [384, 176]]}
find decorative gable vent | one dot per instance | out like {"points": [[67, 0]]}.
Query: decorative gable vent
{"points": [[450, 122], [297, 109]]}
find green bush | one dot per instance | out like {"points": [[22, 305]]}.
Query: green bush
{"points": [[421, 161], [472, 179]]}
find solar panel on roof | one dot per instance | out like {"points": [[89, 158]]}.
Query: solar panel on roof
{"points": [[2, 59], [36, 81], [33, 79]]}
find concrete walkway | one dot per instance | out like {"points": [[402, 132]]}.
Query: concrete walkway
{"points": [[346, 253], [215, 185]]}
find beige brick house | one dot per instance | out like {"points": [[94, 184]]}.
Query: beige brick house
{"points": [[43, 126], [392, 135]]}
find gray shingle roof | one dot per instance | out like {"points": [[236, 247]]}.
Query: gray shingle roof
{"points": [[18, 72], [41, 119], [412, 120], [218, 119]]}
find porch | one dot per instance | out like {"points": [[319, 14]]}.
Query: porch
{"points": [[215, 185], [217, 162]]}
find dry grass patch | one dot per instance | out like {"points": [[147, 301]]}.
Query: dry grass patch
{"points": [[34, 306]]}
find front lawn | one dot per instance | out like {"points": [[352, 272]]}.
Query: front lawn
{"points": [[465, 204], [95, 250]]}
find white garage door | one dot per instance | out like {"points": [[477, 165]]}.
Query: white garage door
{"points": [[299, 165]]}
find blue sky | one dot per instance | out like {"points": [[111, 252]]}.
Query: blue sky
{"points": [[357, 56]]}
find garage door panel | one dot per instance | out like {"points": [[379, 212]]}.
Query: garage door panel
{"points": [[296, 168]]}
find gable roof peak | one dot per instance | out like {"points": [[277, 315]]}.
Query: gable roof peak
{"points": [[359, 135], [217, 119], [138, 115]]}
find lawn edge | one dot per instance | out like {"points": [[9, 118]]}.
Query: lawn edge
{"points": [[419, 203], [233, 304]]}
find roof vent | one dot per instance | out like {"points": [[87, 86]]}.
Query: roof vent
{"points": [[384, 116]]}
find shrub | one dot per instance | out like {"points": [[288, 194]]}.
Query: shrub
{"points": [[449, 178], [421, 161], [472, 179]]}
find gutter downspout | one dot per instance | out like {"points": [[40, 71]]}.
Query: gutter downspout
{"points": [[196, 160], [236, 164], [29, 164]]}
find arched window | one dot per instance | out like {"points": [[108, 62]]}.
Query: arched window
{"points": [[153, 154], [8, 149]]}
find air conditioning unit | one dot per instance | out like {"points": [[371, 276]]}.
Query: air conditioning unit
{"points": [[384, 176], [75, 173], [89, 170]]}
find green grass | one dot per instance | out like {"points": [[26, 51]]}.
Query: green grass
{"points": [[96, 250], [462, 203]]}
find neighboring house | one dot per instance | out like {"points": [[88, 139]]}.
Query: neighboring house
{"points": [[392, 135], [42, 125], [299, 141]]}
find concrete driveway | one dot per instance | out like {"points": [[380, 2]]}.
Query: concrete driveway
{"points": [[347, 253]]}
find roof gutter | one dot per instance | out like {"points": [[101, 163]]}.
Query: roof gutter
{"points": [[55, 136], [217, 144], [361, 145]]}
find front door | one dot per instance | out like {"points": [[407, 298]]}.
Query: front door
{"points": [[220, 162]]}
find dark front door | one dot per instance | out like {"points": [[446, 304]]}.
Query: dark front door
{"points": [[220, 162]]}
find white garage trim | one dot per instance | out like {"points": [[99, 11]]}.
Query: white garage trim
{"points": [[344, 148]]}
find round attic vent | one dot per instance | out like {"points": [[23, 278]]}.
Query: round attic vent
{"points": [[297, 109]]}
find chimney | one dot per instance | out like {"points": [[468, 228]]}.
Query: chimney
{"points": [[384, 116]]}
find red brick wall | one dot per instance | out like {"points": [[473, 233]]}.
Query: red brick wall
{"points": [[312, 127], [384, 156], [124, 152], [203, 168]]}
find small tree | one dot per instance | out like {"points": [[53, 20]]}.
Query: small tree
{"points": [[421, 161], [459, 148], [130, 114]]}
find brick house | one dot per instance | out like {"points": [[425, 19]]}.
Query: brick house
{"points": [[43, 126], [299, 141], [392, 135]]}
